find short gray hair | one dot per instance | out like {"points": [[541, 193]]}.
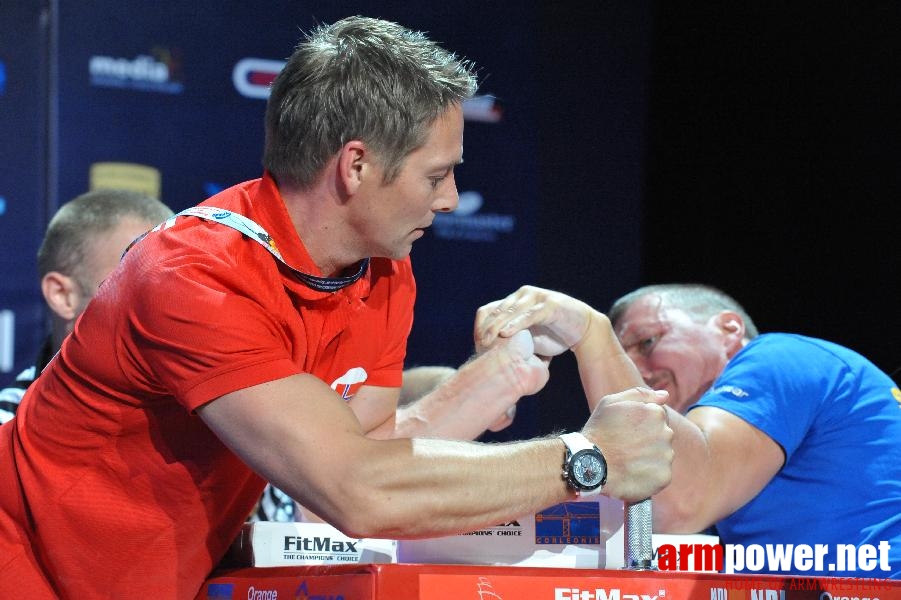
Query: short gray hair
{"points": [[364, 79], [65, 245], [698, 300]]}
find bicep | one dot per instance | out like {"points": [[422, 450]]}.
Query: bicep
{"points": [[290, 431]]}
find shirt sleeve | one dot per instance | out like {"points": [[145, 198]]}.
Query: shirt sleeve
{"points": [[208, 325], [769, 385]]}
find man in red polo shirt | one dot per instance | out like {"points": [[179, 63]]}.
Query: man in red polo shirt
{"points": [[261, 336]]}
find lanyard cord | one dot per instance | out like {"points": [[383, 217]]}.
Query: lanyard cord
{"points": [[255, 232]]}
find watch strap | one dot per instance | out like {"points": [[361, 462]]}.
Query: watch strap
{"points": [[576, 442]]}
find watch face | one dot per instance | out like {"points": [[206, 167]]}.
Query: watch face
{"points": [[588, 469]]}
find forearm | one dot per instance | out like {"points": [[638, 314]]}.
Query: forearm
{"points": [[722, 462], [427, 487], [604, 367], [419, 381], [685, 505], [465, 404]]}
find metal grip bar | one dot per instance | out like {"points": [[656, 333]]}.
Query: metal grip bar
{"points": [[638, 525]]}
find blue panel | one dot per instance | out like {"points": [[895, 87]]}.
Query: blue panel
{"points": [[155, 85], [22, 205]]}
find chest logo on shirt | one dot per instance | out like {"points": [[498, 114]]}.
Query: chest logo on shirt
{"points": [[730, 389], [348, 384]]}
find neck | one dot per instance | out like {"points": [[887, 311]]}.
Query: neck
{"points": [[317, 217]]}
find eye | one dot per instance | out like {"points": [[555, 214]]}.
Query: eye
{"points": [[436, 181], [647, 344]]}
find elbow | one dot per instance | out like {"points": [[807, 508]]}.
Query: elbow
{"points": [[679, 513], [370, 519], [361, 509]]}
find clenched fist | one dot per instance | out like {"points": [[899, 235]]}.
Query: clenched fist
{"points": [[632, 431]]}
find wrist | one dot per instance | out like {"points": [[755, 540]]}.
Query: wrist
{"points": [[599, 330]]}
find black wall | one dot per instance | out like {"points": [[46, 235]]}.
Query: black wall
{"points": [[771, 165]]}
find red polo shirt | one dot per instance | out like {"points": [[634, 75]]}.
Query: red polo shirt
{"points": [[130, 493]]}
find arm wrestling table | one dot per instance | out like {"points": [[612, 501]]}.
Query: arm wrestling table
{"points": [[462, 582]]}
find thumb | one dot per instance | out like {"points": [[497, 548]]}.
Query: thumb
{"points": [[522, 343]]}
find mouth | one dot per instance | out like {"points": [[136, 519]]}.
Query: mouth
{"points": [[421, 230], [658, 383]]}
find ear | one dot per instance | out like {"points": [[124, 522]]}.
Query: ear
{"points": [[62, 294], [732, 326], [353, 165]]}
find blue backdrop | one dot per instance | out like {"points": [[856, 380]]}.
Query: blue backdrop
{"points": [[178, 91]]}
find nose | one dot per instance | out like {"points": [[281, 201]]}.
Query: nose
{"points": [[448, 199], [641, 364]]}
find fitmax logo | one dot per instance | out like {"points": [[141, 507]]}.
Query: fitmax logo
{"points": [[601, 594], [318, 544]]}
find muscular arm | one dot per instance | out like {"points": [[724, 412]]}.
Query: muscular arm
{"points": [[477, 396], [298, 434], [720, 462], [559, 323], [419, 381]]}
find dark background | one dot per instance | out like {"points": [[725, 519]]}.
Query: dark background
{"points": [[755, 148], [770, 169]]}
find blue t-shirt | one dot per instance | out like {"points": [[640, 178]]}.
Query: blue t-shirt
{"points": [[838, 419]]}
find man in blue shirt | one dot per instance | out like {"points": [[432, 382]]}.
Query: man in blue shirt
{"points": [[785, 439]]}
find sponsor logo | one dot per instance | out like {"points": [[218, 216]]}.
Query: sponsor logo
{"points": [[602, 594], [158, 71], [126, 176], [745, 587], [484, 109], [255, 594], [318, 544], [486, 590], [302, 593], [569, 523], [348, 384], [734, 558], [253, 76], [731, 389], [467, 224], [220, 591], [320, 549], [696, 557], [513, 528]]}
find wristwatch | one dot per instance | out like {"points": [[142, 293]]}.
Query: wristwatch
{"points": [[584, 468]]}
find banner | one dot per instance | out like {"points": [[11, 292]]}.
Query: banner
{"points": [[170, 99]]}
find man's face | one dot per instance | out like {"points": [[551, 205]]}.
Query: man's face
{"points": [[672, 351], [396, 214]]}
